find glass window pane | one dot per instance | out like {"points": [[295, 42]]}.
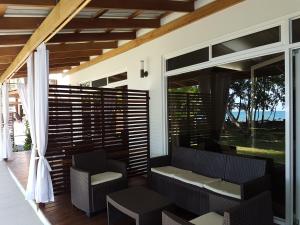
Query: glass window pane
{"points": [[247, 42], [188, 59], [117, 77], [236, 108], [296, 30], [99, 83]]}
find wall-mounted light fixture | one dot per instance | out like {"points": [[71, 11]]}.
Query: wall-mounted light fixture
{"points": [[143, 72]]}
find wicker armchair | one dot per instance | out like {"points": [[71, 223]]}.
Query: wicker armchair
{"points": [[256, 211], [93, 176]]}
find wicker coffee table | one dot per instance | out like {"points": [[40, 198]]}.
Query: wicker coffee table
{"points": [[141, 204]]}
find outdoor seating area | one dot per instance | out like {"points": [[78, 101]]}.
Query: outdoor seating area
{"points": [[150, 112], [204, 181]]}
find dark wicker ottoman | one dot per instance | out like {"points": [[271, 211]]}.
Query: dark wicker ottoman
{"points": [[139, 203]]}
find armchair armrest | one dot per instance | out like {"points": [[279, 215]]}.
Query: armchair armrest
{"points": [[117, 166], [255, 187], [160, 161], [80, 188], [257, 210], [171, 219]]}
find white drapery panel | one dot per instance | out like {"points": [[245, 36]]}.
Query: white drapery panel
{"points": [[27, 99], [6, 141], [1, 124], [43, 188]]}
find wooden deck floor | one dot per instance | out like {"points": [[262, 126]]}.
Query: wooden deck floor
{"points": [[60, 212]]}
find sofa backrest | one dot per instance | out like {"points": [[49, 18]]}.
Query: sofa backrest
{"points": [[240, 169], [94, 162], [210, 164], [183, 158]]}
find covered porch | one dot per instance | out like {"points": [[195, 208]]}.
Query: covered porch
{"points": [[152, 112], [60, 212]]}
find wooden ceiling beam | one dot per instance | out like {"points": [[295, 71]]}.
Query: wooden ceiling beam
{"points": [[97, 46], [2, 10], [70, 55], [161, 5], [68, 60], [59, 16], [198, 14], [15, 23], [40, 3], [58, 55], [93, 37], [56, 62], [169, 5], [61, 38], [81, 46], [24, 69], [21, 74], [7, 51]]}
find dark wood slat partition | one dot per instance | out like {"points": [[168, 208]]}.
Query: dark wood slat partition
{"points": [[190, 117], [83, 119]]}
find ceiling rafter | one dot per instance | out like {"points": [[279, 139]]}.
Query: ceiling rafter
{"points": [[61, 38], [56, 48], [58, 55], [199, 13], [14, 23], [81, 46], [167, 5], [2, 10], [61, 14]]}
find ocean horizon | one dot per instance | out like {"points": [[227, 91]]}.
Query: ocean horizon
{"points": [[279, 116]]}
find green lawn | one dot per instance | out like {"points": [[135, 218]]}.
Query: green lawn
{"points": [[266, 142]]}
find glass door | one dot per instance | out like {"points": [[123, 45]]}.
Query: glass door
{"points": [[296, 74], [235, 108]]}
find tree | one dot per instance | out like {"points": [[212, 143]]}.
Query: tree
{"points": [[28, 141]]}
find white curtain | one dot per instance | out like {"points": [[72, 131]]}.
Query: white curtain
{"points": [[6, 141], [27, 99], [44, 188], [1, 124], [39, 186]]}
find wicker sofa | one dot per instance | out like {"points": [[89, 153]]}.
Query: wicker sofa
{"points": [[93, 176], [256, 211], [202, 181]]}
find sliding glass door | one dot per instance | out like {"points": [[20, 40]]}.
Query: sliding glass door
{"points": [[296, 74], [234, 108]]}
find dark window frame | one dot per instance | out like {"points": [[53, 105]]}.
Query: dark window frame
{"points": [[188, 59], [247, 37], [117, 77], [295, 33]]}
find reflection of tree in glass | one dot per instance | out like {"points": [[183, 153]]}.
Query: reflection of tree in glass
{"points": [[268, 95]]}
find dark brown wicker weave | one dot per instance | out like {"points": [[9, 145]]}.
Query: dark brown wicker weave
{"points": [[249, 173], [92, 198], [144, 206], [256, 211]]}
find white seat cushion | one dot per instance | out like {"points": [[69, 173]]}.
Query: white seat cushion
{"points": [[169, 171], [195, 179], [104, 177], [208, 219], [225, 188]]}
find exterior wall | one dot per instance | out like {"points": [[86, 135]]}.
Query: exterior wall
{"points": [[239, 17]]}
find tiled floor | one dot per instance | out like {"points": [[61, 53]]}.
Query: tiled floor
{"points": [[14, 209]]}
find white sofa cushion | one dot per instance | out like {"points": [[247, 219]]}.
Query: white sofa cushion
{"points": [[194, 179], [208, 219], [169, 171], [104, 177], [225, 188]]}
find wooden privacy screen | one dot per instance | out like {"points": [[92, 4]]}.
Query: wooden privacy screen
{"points": [[83, 119], [189, 117]]}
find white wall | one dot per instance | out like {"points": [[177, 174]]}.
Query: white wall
{"points": [[246, 14]]}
